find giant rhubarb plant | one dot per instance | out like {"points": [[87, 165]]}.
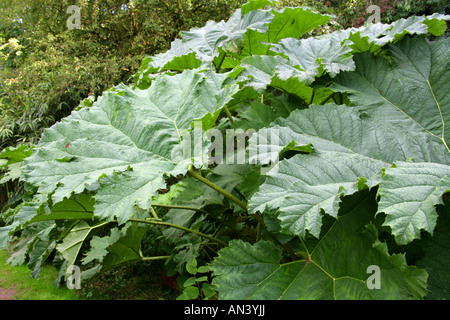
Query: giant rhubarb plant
{"points": [[290, 166]]}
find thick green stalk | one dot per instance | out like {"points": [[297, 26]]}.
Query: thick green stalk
{"points": [[195, 209], [160, 223], [167, 206], [228, 113], [228, 195], [220, 63], [154, 258], [153, 212]]}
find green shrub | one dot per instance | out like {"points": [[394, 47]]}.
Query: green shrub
{"points": [[347, 170], [46, 69]]}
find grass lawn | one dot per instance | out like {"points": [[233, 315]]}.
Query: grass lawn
{"points": [[125, 283], [17, 282]]}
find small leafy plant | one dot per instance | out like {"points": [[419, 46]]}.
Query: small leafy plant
{"points": [[196, 285], [282, 166]]}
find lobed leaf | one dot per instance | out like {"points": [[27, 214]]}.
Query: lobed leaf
{"points": [[129, 138], [437, 256], [409, 89], [408, 194], [336, 267], [386, 125], [246, 33]]}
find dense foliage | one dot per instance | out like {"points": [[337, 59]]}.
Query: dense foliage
{"points": [[354, 13], [47, 69], [263, 162]]}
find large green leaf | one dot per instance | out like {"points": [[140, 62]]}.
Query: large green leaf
{"points": [[263, 71], [70, 248], [408, 194], [194, 194], [76, 208], [344, 168], [310, 54], [133, 192], [37, 210], [42, 248], [224, 44], [207, 40], [178, 58], [120, 247], [374, 36], [386, 126], [314, 183], [350, 156], [333, 128], [287, 23], [257, 115], [12, 159], [199, 46], [15, 155], [308, 58], [255, 5], [129, 138], [337, 267], [412, 88], [437, 256]]}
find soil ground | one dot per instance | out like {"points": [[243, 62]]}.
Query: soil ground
{"points": [[7, 293]]}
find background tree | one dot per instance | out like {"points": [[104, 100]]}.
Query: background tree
{"points": [[47, 69]]}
